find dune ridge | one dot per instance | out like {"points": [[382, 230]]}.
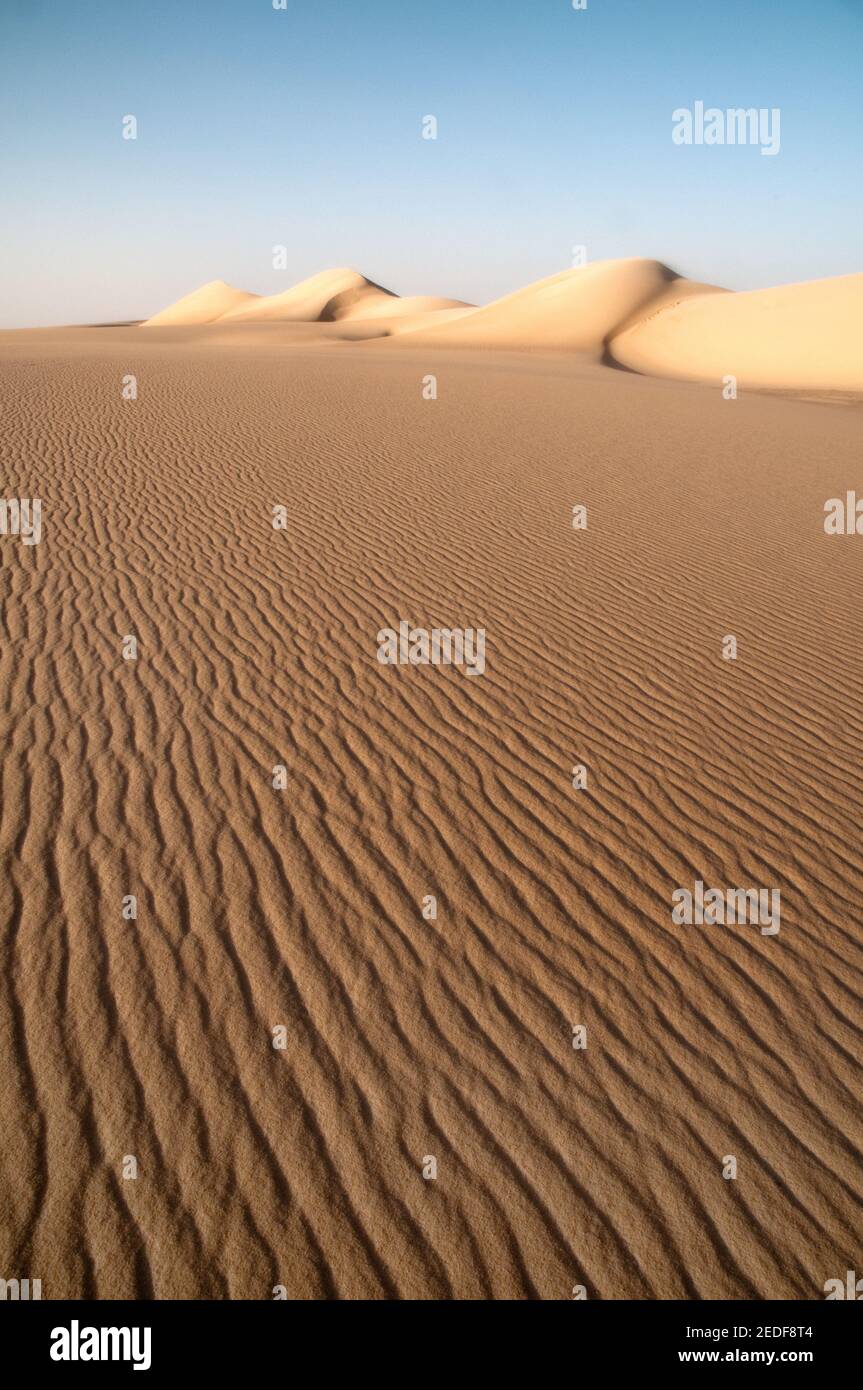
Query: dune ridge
{"points": [[636, 313], [332, 296]]}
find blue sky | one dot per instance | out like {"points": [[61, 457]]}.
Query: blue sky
{"points": [[302, 128]]}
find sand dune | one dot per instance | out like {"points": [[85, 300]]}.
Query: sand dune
{"points": [[212, 301], [332, 296], [795, 336], [576, 310], [642, 315], [329, 296], [635, 313], [407, 1037]]}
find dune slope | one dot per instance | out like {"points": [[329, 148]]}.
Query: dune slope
{"points": [[327, 297], [414, 306], [212, 301], [575, 310], [805, 336]]}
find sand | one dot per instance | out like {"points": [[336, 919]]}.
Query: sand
{"points": [[794, 336], [330, 297], [409, 1038], [334, 294], [212, 301], [576, 310]]}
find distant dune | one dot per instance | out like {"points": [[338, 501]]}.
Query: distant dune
{"points": [[325, 298], [634, 313], [332, 296], [212, 301]]}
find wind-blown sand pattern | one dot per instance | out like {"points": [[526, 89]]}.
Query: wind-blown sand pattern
{"points": [[302, 907]]}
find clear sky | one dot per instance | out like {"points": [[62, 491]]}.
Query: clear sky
{"points": [[302, 128]]}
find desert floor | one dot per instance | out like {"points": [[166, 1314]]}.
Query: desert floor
{"points": [[408, 1038]]}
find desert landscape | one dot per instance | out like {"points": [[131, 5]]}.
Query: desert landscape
{"points": [[327, 1086]]}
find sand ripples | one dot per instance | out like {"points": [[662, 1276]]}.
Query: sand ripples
{"points": [[302, 907]]}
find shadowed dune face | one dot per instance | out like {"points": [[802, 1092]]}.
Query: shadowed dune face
{"points": [[409, 1038]]}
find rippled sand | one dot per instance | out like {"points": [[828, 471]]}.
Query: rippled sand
{"points": [[409, 1038]]}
